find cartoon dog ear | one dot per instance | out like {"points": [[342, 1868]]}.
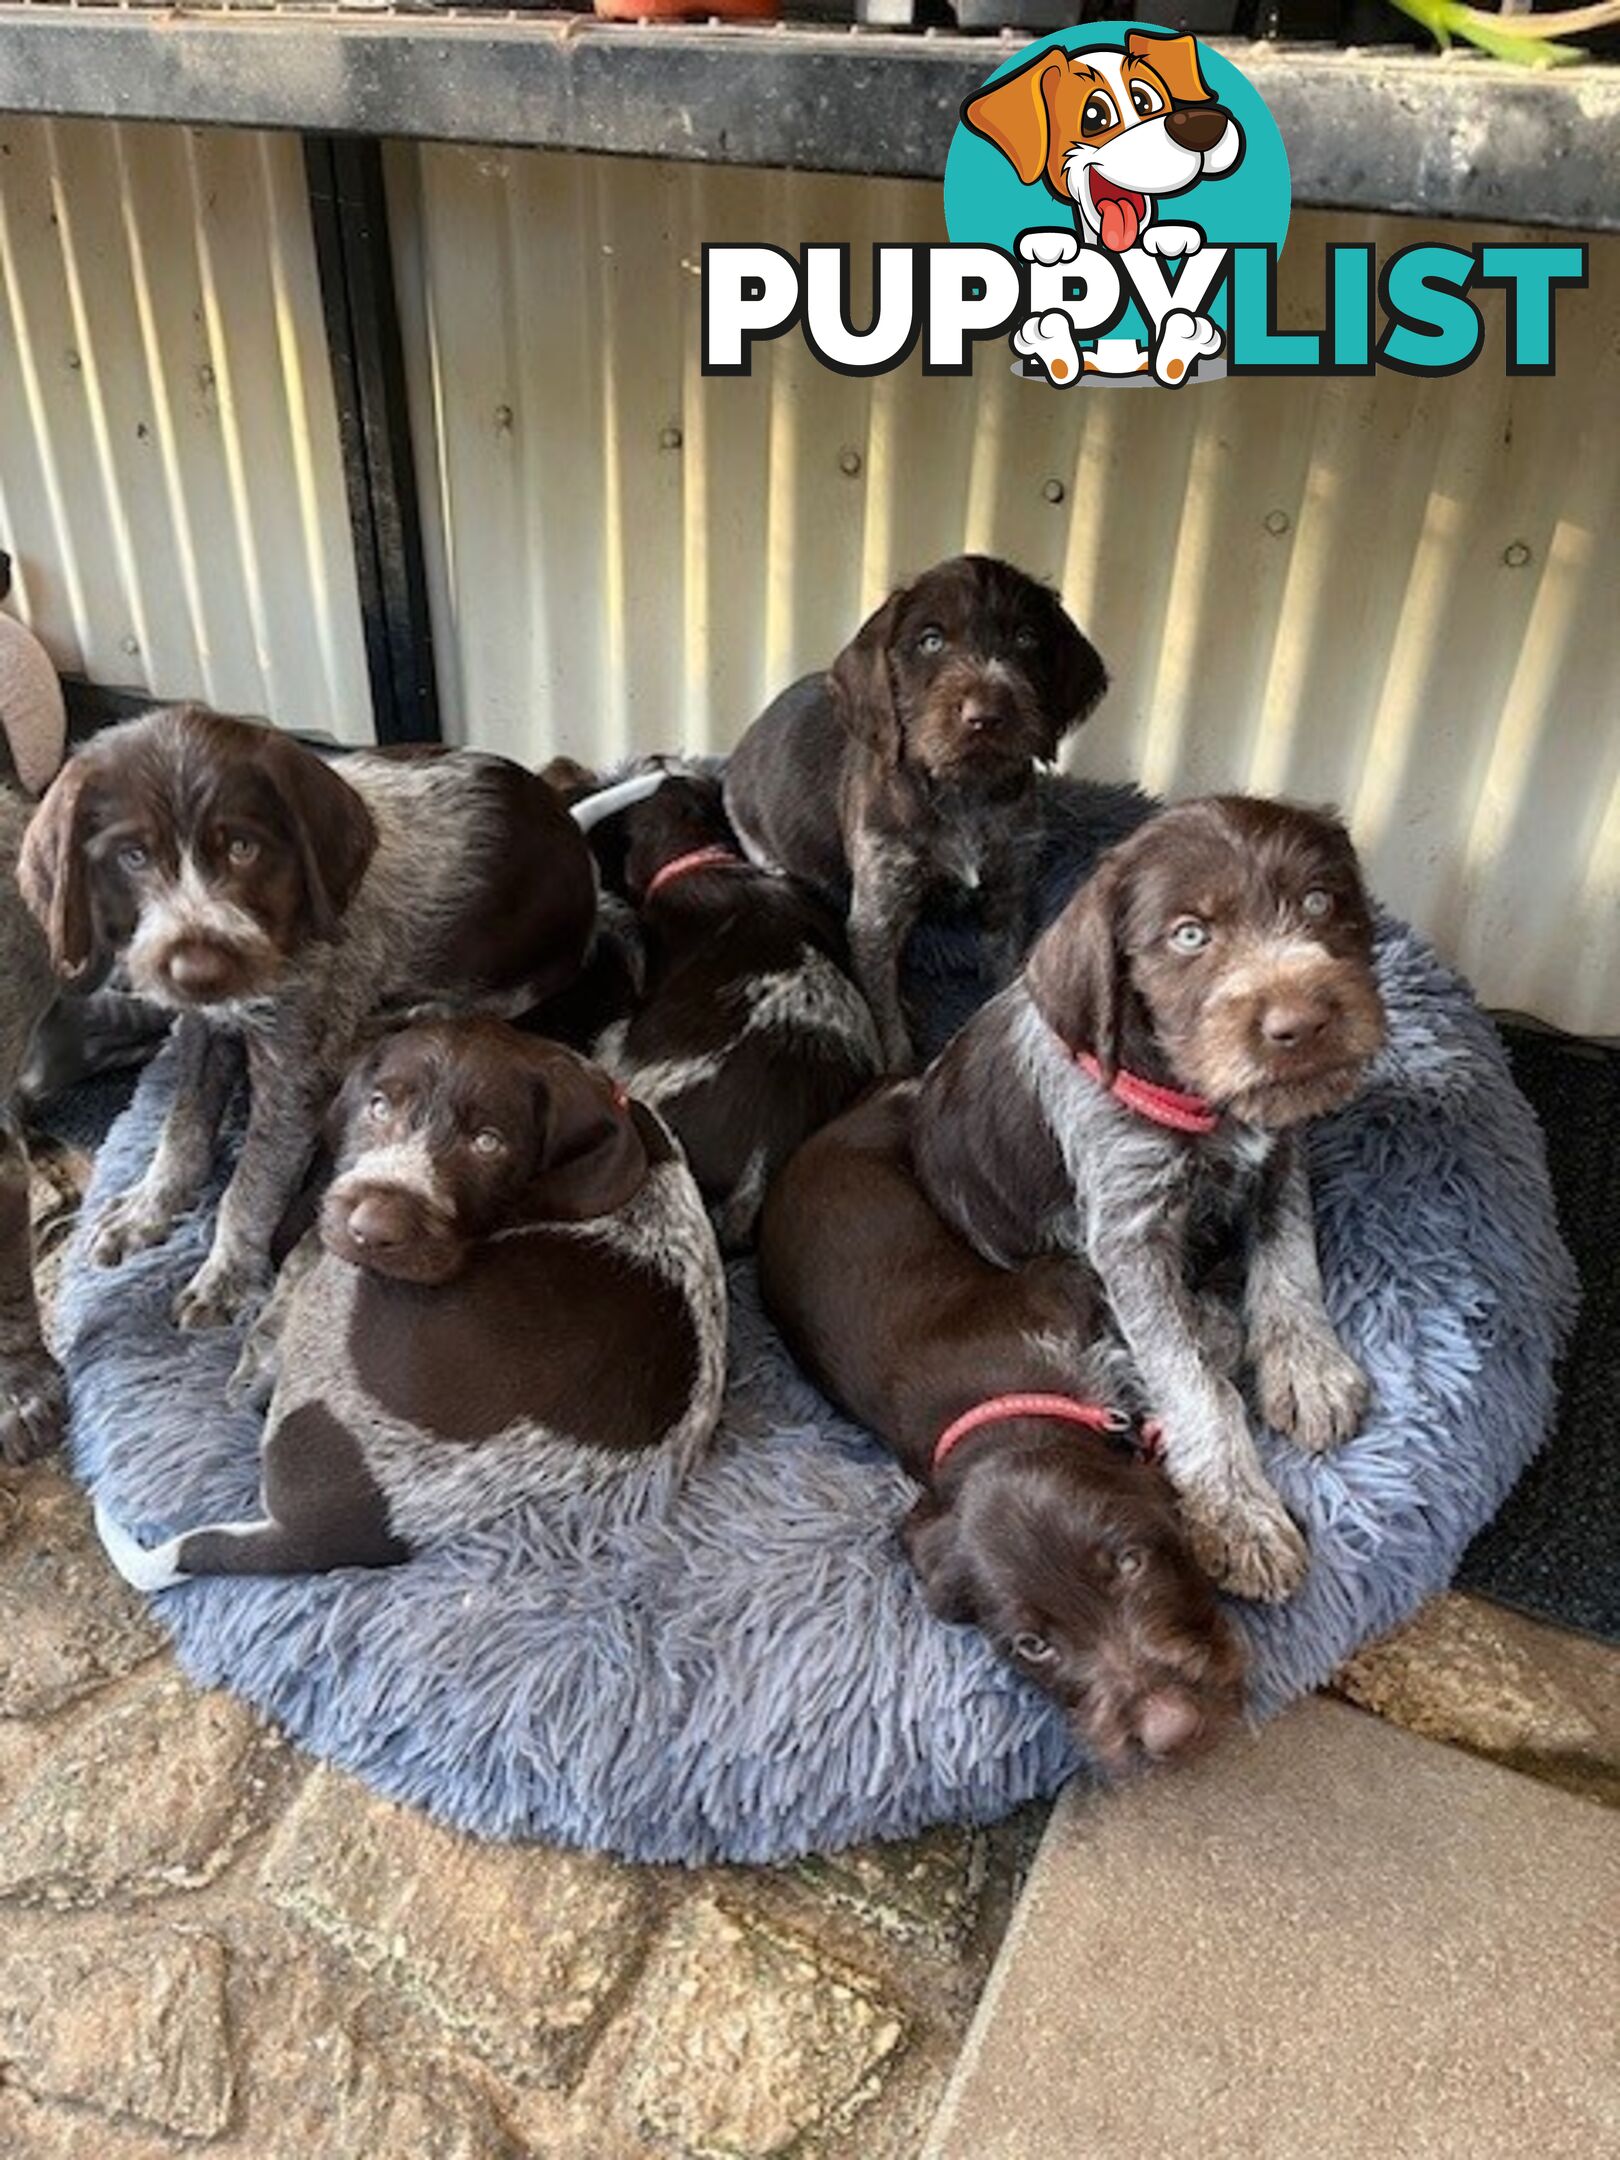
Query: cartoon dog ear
{"points": [[862, 686], [591, 1157], [1077, 969], [1174, 58], [932, 1546], [1016, 114], [53, 874], [336, 833]]}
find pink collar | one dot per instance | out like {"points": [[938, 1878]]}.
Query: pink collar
{"points": [[1067, 1409], [703, 858], [1162, 1105]]}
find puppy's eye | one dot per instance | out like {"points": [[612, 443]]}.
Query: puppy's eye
{"points": [[1028, 638], [1189, 935], [378, 1106], [1146, 99], [1129, 1561], [1033, 1649], [1097, 114], [488, 1141], [133, 858], [1317, 904], [932, 640], [242, 850]]}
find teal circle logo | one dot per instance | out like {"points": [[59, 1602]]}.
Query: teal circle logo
{"points": [[1119, 162]]}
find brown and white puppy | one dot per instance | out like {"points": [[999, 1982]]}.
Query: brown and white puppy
{"points": [[514, 1294], [1138, 1096], [1044, 1529], [906, 773], [275, 901], [748, 1033], [33, 727]]}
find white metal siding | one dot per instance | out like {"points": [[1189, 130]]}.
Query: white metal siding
{"points": [[1399, 595], [171, 486]]}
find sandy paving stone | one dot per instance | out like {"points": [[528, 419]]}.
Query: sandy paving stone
{"points": [[67, 1623], [748, 2041], [126, 2020], [153, 1792], [521, 1952]]}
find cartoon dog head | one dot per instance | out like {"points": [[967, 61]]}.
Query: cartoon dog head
{"points": [[1108, 130]]}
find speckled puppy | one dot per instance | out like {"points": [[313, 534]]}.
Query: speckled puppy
{"points": [[514, 1294], [1138, 1096]]}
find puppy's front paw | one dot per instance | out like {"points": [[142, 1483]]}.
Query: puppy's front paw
{"points": [[1049, 339], [1247, 1543], [1308, 1388], [1165, 240], [218, 1295], [32, 1405], [253, 1379], [132, 1223], [898, 1056], [1051, 245], [1184, 339]]}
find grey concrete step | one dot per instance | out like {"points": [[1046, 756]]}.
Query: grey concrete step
{"points": [[1334, 1940]]}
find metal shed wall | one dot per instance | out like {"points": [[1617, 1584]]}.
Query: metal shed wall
{"points": [[1400, 595], [170, 480]]}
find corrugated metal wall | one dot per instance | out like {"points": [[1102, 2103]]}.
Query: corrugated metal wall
{"points": [[1399, 595], [170, 480]]}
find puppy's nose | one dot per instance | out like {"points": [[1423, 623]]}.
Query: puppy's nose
{"points": [[981, 712], [1196, 127], [200, 971], [1167, 1721], [379, 1222], [1291, 1022]]}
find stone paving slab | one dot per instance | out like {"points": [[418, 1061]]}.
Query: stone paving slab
{"points": [[1338, 1941]]}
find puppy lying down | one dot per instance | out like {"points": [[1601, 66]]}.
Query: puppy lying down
{"points": [[513, 1294], [1004, 1395]]}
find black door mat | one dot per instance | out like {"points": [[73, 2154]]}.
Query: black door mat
{"points": [[1554, 1551]]}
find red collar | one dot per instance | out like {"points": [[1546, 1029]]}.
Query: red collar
{"points": [[703, 858], [1162, 1105], [1067, 1409]]}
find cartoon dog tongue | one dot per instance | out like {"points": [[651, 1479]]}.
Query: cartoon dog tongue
{"points": [[1121, 221]]}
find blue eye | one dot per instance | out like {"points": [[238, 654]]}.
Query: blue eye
{"points": [[932, 640], [1189, 936], [133, 858], [1317, 903]]}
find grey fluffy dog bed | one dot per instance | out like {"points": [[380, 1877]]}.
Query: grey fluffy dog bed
{"points": [[745, 1669]]}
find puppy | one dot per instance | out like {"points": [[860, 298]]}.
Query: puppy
{"points": [[275, 901], [907, 772], [1139, 1097], [1003, 1396], [514, 1294], [33, 729], [749, 1033], [1109, 132]]}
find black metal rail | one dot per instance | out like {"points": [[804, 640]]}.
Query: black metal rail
{"points": [[1459, 137]]}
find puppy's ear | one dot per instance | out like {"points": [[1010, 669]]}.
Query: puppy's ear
{"points": [[934, 1548], [1016, 115], [1078, 678], [53, 874], [590, 1157], [862, 686], [1174, 59], [1077, 970], [569, 778], [336, 833], [345, 1104]]}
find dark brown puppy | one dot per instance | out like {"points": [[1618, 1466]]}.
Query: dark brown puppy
{"points": [[514, 1294], [1061, 1544], [907, 772], [748, 1034], [1138, 1096], [276, 900]]}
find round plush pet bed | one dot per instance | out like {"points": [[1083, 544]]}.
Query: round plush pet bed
{"points": [[745, 1669]]}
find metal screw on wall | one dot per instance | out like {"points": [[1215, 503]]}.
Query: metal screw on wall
{"points": [[1277, 523], [503, 419], [849, 463], [1516, 554], [669, 438], [1054, 491]]}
